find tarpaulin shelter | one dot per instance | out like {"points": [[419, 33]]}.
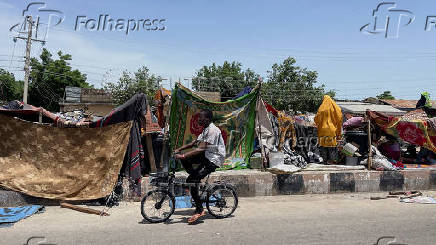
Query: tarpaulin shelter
{"points": [[236, 119], [133, 110], [420, 132], [132, 115], [60, 163]]}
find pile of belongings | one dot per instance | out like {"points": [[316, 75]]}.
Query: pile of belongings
{"points": [[353, 123], [279, 163], [379, 162], [78, 116]]}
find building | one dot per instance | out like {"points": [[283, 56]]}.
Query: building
{"points": [[92, 101], [405, 105], [359, 108]]}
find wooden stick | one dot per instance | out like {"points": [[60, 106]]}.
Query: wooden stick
{"points": [[369, 143], [150, 153], [262, 151], [83, 210]]}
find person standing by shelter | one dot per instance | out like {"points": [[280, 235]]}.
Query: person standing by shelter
{"points": [[328, 120]]}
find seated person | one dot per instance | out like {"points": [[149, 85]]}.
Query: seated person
{"points": [[426, 156], [209, 154], [391, 148], [410, 155]]}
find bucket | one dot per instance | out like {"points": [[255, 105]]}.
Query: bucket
{"points": [[276, 158]]}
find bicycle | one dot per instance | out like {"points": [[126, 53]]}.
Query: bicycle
{"points": [[159, 204]]}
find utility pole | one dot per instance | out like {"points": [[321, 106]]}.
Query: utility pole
{"points": [[160, 81], [28, 40], [27, 64]]}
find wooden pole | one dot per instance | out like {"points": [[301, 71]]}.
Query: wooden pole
{"points": [[150, 153], [83, 210], [27, 62], [262, 151], [369, 142]]}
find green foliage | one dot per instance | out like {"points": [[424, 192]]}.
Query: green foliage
{"points": [[49, 77], [10, 89], [130, 84], [292, 88], [386, 95], [228, 79]]}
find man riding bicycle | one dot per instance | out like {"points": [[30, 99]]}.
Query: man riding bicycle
{"points": [[209, 154]]}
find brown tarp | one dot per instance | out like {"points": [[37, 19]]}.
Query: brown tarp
{"points": [[61, 163]]}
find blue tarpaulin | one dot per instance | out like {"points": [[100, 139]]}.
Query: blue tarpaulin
{"points": [[14, 214]]}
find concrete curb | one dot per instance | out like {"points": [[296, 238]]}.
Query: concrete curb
{"points": [[250, 183]]}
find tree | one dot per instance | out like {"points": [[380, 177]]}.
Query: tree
{"points": [[386, 95], [142, 81], [228, 79], [10, 89], [49, 77], [290, 87]]}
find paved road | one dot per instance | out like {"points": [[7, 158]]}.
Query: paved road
{"points": [[309, 219]]}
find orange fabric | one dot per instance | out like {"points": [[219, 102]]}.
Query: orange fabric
{"points": [[160, 96], [329, 122]]}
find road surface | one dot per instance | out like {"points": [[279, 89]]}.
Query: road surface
{"points": [[308, 219]]}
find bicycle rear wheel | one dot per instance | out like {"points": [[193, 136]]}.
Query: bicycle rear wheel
{"points": [[222, 201], [157, 206]]}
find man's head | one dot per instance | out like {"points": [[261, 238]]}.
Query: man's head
{"points": [[205, 117]]}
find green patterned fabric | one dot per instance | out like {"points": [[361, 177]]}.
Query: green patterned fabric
{"points": [[427, 99], [236, 119]]}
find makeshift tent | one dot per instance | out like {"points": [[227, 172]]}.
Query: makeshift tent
{"points": [[235, 118], [134, 110], [414, 131], [61, 163]]}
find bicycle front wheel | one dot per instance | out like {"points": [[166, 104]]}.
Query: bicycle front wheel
{"points": [[157, 206], [222, 201]]}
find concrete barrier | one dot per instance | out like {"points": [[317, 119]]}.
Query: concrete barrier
{"points": [[249, 183]]}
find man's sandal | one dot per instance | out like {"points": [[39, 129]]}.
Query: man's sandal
{"points": [[195, 217]]}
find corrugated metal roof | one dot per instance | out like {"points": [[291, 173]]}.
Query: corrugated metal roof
{"points": [[405, 104], [360, 108]]}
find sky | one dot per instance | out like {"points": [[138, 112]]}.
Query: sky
{"points": [[323, 36]]}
